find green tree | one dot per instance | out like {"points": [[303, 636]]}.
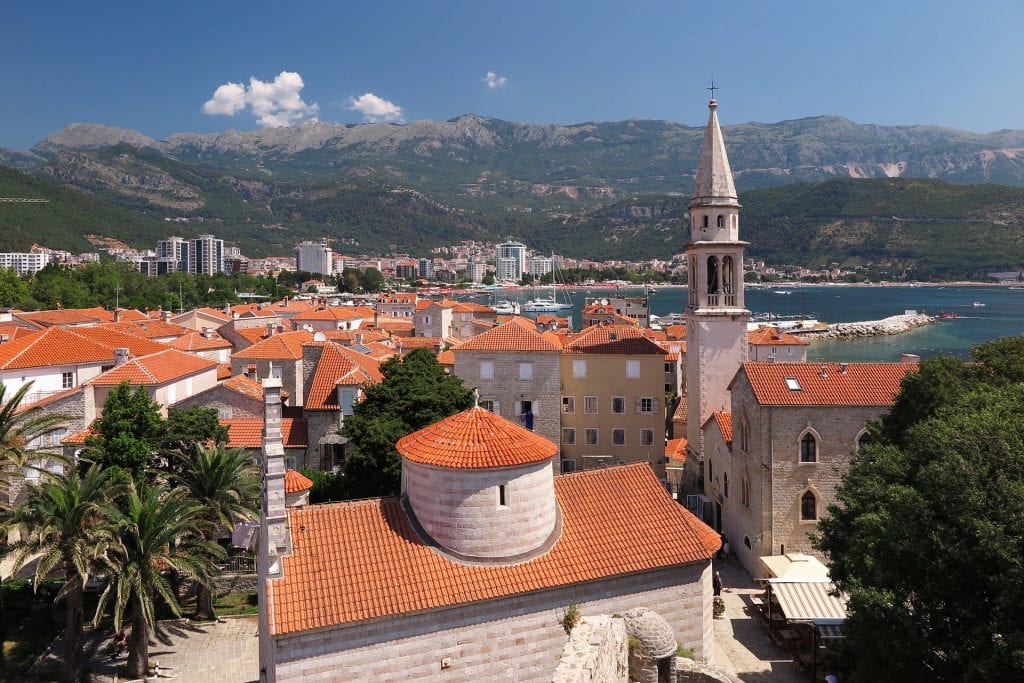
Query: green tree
{"points": [[371, 280], [928, 536], [488, 279], [128, 431], [61, 527], [13, 288], [415, 392], [225, 482], [186, 428], [151, 529]]}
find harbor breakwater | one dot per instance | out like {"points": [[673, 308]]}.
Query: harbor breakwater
{"points": [[894, 324]]}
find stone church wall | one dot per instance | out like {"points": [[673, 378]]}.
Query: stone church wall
{"points": [[518, 638]]}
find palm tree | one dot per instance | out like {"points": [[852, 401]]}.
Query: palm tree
{"points": [[18, 428], [225, 482], [61, 524], [153, 530]]}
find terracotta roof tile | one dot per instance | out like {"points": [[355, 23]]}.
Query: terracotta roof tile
{"points": [[770, 336], [66, 316], [612, 339], [867, 384], [362, 560], [147, 328], [446, 358], [332, 313], [14, 330], [223, 371], [475, 439], [675, 450], [246, 386], [724, 422], [339, 365], [48, 400], [244, 433], [518, 334], [157, 368], [196, 341], [676, 331], [285, 345], [409, 343], [70, 346], [295, 481], [367, 335]]}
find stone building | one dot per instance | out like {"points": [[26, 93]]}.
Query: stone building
{"points": [[770, 344], [613, 398], [240, 397], [279, 355], [773, 465], [466, 575], [516, 370]]}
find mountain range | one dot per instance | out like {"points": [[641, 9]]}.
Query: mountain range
{"points": [[594, 190]]}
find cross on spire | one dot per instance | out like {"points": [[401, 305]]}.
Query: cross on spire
{"points": [[713, 88]]}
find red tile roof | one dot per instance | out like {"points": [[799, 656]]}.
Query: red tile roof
{"points": [[367, 335], [332, 313], [66, 316], [70, 346], [195, 341], [148, 328], [158, 368], [446, 358], [612, 339], [14, 330], [475, 439], [48, 400], [244, 385], [846, 384], [248, 433], [296, 482], [770, 336], [223, 371], [285, 345], [363, 560], [518, 334], [676, 331], [724, 422], [675, 450], [339, 366]]}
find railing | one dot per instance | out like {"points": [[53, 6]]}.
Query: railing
{"points": [[712, 299], [244, 563]]}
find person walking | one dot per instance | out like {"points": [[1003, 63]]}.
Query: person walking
{"points": [[716, 584]]}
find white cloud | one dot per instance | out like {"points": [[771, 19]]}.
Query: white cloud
{"points": [[274, 104], [375, 109], [493, 80]]}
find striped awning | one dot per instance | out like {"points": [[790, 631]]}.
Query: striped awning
{"points": [[809, 601]]}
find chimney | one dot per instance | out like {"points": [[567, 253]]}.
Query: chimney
{"points": [[910, 358], [271, 328], [120, 356], [166, 316], [843, 367], [227, 308], [823, 373], [117, 315], [207, 333], [250, 371], [359, 338]]}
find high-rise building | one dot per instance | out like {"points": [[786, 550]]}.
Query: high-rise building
{"points": [[476, 271], [539, 266], [510, 261], [172, 255], [425, 268], [205, 255], [314, 257], [25, 263]]}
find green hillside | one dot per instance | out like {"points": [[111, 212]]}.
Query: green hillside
{"points": [[66, 218]]}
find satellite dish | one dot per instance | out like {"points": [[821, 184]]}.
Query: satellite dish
{"points": [[319, 337], [604, 302]]}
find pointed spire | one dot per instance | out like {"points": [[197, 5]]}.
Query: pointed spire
{"points": [[713, 184]]}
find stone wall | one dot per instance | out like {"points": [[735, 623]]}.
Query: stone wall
{"points": [[518, 638], [597, 652], [228, 404]]}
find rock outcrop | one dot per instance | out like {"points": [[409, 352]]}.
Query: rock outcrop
{"points": [[894, 324]]}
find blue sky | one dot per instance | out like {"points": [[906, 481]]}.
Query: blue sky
{"points": [[152, 66]]}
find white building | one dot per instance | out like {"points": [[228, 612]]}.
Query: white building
{"points": [[476, 271], [24, 263], [314, 257], [205, 255], [172, 255], [425, 268], [510, 259], [538, 266]]}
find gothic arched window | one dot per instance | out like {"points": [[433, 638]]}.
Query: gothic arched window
{"points": [[721, 221], [727, 275], [808, 506], [712, 275], [808, 448], [705, 221]]}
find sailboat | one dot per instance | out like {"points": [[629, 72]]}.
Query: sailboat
{"points": [[547, 304]]}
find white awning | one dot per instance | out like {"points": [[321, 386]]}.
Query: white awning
{"points": [[812, 601], [796, 566]]}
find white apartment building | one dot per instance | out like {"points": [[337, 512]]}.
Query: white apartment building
{"points": [[539, 266], [314, 257], [24, 263], [205, 255], [510, 259]]}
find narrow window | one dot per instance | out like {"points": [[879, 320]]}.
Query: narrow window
{"points": [[808, 506], [705, 221], [808, 448], [568, 404], [725, 484], [501, 496], [712, 275], [721, 221], [67, 380]]}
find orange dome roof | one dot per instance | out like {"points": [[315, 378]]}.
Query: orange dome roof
{"points": [[295, 482], [475, 439]]}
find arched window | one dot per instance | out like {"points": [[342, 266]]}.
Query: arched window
{"points": [[727, 281], [705, 221], [712, 275], [725, 483], [721, 221], [808, 506], [808, 448], [864, 439]]}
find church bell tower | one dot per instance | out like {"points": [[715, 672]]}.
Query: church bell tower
{"points": [[716, 317]]}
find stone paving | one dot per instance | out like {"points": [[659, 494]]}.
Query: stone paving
{"points": [[225, 652], [742, 645]]}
